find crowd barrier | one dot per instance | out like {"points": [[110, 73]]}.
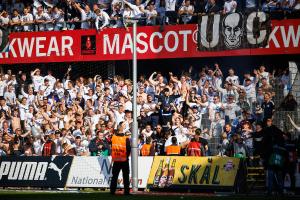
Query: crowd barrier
{"points": [[155, 173]]}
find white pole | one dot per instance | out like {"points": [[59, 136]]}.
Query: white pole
{"points": [[134, 145]]}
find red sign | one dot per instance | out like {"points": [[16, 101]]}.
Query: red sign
{"points": [[116, 44]]}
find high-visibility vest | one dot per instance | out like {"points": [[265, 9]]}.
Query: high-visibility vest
{"points": [[145, 150], [194, 149], [172, 150], [118, 149]]}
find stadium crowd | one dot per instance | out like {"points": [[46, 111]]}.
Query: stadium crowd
{"points": [[47, 15], [201, 115]]}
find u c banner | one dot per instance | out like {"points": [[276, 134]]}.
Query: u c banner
{"points": [[233, 31], [193, 172]]}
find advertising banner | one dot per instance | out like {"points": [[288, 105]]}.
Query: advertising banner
{"points": [[97, 172], [34, 171], [193, 172], [178, 41]]}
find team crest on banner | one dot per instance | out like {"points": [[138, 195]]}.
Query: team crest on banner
{"points": [[88, 44], [233, 31]]}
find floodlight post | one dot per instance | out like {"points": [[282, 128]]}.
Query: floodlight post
{"points": [[134, 144]]}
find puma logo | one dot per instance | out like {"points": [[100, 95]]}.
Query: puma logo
{"points": [[54, 167]]}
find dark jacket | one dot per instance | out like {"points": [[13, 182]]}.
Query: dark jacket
{"points": [[272, 136], [94, 146]]}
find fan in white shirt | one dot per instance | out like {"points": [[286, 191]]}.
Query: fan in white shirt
{"points": [[170, 5], [37, 79], [151, 15], [46, 87], [10, 96], [250, 89], [15, 21], [23, 108], [3, 85], [229, 6], [147, 132], [42, 18], [58, 18], [231, 108], [232, 78], [102, 19], [215, 107], [4, 18], [59, 90], [30, 96], [263, 74], [138, 9], [186, 11], [50, 78], [27, 20]]}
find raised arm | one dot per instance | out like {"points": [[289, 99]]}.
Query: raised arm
{"points": [[293, 123], [151, 81], [32, 73], [172, 78]]}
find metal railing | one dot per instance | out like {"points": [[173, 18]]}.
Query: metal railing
{"points": [[155, 20]]}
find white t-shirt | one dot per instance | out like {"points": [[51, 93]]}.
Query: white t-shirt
{"points": [[233, 79], [102, 20], [231, 109], [170, 5], [60, 92], [10, 97], [30, 98], [16, 19], [266, 76], [230, 6], [214, 108], [119, 117], [128, 14], [2, 87], [4, 20], [187, 17], [45, 17], [72, 93], [47, 89], [180, 130], [37, 82], [58, 17], [51, 79], [23, 109], [27, 18], [150, 14], [84, 16], [250, 91]]}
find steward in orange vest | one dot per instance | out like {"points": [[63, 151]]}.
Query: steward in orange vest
{"points": [[173, 149], [119, 152], [194, 148], [146, 148]]}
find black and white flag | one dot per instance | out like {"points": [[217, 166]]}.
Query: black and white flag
{"points": [[233, 31]]}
